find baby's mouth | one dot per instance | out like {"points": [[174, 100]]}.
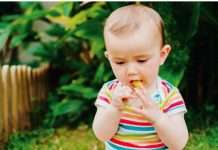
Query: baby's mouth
{"points": [[136, 83]]}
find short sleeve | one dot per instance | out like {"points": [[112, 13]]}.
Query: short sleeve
{"points": [[174, 103], [104, 97]]}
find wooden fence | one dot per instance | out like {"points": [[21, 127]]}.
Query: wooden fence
{"points": [[21, 89]]}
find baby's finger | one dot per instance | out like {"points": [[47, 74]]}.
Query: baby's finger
{"points": [[129, 97], [127, 89], [138, 111], [142, 97]]}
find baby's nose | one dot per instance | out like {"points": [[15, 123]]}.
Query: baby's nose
{"points": [[131, 69]]}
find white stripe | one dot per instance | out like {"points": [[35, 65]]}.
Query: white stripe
{"points": [[123, 131]]}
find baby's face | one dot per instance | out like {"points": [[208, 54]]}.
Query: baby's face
{"points": [[136, 57]]}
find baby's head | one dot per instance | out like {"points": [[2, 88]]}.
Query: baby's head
{"points": [[134, 19], [134, 39]]}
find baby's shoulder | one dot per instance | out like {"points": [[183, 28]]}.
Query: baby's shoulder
{"points": [[110, 85], [167, 86]]}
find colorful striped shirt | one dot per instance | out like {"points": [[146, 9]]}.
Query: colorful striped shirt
{"points": [[135, 132]]}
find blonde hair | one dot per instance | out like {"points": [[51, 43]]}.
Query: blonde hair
{"points": [[128, 19]]}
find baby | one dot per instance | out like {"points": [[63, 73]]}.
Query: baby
{"points": [[138, 110]]}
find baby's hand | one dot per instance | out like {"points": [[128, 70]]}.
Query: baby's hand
{"points": [[120, 95], [149, 108]]}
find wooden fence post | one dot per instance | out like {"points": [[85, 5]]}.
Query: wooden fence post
{"points": [[30, 87], [21, 88], [26, 96], [6, 97], [14, 93], [34, 88], [1, 111]]}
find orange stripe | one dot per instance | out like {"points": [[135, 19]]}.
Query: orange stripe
{"points": [[133, 116], [174, 99], [139, 139]]}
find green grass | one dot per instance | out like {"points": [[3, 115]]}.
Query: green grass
{"points": [[203, 139], [83, 138]]}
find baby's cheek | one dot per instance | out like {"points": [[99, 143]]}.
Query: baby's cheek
{"points": [[152, 69], [116, 72], [120, 75]]}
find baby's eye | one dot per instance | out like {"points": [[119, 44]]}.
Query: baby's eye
{"points": [[119, 62], [142, 60]]}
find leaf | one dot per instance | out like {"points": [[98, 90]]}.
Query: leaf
{"points": [[97, 46], [92, 31], [194, 21], [69, 22], [186, 25], [64, 79], [97, 10], [38, 49], [62, 20], [99, 73], [55, 30], [78, 18], [79, 90], [26, 5], [66, 106], [116, 5], [17, 40], [67, 7], [3, 38], [89, 29], [3, 26], [53, 13], [173, 77], [63, 8], [37, 14], [9, 18]]}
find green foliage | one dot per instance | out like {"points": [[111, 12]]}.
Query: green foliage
{"points": [[3, 37], [203, 128], [64, 138], [27, 140], [83, 138], [203, 139], [80, 90], [69, 36], [66, 106]]}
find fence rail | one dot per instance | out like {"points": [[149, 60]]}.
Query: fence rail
{"points": [[21, 89]]}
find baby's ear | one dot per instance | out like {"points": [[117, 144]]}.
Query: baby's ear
{"points": [[106, 54], [164, 53]]}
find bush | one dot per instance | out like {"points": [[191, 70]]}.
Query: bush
{"points": [[69, 37]]}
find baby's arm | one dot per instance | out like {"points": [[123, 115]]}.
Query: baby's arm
{"points": [[106, 122], [172, 130], [107, 118]]}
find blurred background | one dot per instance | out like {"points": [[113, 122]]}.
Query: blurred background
{"points": [[52, 66]]}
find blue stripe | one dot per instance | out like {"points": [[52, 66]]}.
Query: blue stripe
{"points": [[110, 145], [178, 108], [137, 128]]}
